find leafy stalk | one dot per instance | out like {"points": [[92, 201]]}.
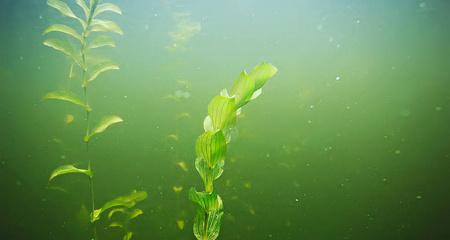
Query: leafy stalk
{"points": [[211, 146], [89, 24]]}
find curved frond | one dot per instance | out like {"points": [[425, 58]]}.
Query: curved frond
{"points": [[107, 7], [105, 123], [67, 97], [101, 68], [68, 169], [65, 10], [63, 29], [102, 41], [105, 26]]}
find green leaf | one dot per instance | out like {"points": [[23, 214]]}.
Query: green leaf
{"points": [[209, 202], [208, 174], [207, 226], [68, 169], [60, 45], [261, 73], [107, 7], [64, 9], [63, 29], [128, 236], [222, 111], [212, 147], [102, 126], [101, 68], [67, 97], [105, 26], [102, 41], [242, 89], [84, 7], [127, 201]]}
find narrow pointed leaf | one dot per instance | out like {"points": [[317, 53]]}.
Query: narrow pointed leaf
{"points": [[221, 110], [242, 89], [68, 169], [63, 29], [211, 147], [105, 26], [128, 236], [60, 45], [67, 97], [101, 68], [261, 73], [64, 9], [102, 41], [127, 201], [83, 6], [107, 7], [104, 124]]}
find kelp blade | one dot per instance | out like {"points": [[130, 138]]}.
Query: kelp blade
{"points": [[207, 226], [68, 169]]}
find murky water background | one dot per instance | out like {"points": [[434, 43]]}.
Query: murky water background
{"points": [[349, 141]]}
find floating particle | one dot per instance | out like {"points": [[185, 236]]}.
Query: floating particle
{"points": [[69, 119], [41, 17], [146, 26], [423, 5], [183, 166], [338, 78], [173, 137], [180, 224], [419, 197], [297, 200], [177, 189], [397, 152], [183, 115], [248, 185], [358, 21], [311, 106], [438, 108], [252, 211]]}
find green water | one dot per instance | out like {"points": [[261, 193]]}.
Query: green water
{"points": [[350, 140]]}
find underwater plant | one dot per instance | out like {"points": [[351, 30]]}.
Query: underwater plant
{"points": [[79, 49], [211, 146]]}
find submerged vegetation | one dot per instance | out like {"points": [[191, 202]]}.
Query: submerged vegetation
{"points": [[211, 146], [79, 49]]}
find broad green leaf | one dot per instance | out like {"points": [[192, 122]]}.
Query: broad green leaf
{"points": [[261, 73], [242, 89], [101, 68], [63, 29], [84, 7], [127, 201], [67, 97], [221, 110], [64, 9], [102, 41], [102, 126], [209, 202], [105, 26], [212, 147], [208, 174], [107, 7], [68, 169], [207, 124], [207, 226]]}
